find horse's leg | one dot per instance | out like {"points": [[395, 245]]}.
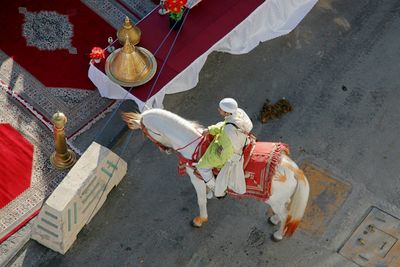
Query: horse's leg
{"points": [[282, 187], [279, 207], [200, 188], [278, 176]]}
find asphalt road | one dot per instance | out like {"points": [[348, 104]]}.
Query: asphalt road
{"points": [[340, 70]]}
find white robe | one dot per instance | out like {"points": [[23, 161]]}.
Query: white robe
{"points": [[232, 174]]}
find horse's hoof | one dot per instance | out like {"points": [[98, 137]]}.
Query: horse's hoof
{"points": [[274, 220], [198, 221], [192, 223], [276, 237]]}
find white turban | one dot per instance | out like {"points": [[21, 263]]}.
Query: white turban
{"points": [[228, 105]]}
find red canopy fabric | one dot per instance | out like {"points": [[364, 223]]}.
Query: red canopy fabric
{"points": [[206, 24]]}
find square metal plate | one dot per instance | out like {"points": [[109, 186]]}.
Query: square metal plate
{"points": [[375, 242], [326, 197]]}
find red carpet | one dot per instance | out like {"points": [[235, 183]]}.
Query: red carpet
{"points": [[54, 68], [15, 164]]}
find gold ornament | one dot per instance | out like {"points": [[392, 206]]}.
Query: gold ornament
{"points": [[130, 30], [130, 65], [62, 158]]}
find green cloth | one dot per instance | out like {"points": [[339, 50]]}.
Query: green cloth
{"points": [[219, 151]]}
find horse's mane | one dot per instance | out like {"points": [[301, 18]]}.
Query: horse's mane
{"points": [[173, 118]]}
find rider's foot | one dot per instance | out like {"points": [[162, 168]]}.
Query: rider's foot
{"points": [[221, 197]]}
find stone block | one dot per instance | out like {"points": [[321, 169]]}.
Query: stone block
{"points": [[78, 198]]}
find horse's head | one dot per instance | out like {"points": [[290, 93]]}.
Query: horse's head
{"points": [[132, 119], [135, 121], [163, 127]]}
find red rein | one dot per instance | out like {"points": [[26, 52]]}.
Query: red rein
{"points": [[146, 133]]}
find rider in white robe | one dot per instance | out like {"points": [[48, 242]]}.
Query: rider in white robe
{"points": [[236, 127], [232, 174]]}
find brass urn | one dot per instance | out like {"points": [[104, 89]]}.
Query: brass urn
{"points": [[130, 30], [130, 65]]}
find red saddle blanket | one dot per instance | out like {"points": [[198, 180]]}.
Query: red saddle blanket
{"points": [[259, 169], [260, 160]]}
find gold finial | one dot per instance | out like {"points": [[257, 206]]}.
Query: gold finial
{"points": [[59, 119], [127, 23], [131, 30], [63, 157]]}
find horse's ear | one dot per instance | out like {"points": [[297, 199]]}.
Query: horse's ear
{"points": [[132, 119]]}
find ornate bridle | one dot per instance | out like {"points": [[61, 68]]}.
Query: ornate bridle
{"points": [[182, 160]]}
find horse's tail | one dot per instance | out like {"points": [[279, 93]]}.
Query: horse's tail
{"points": [[132, 119], [298, 203]]}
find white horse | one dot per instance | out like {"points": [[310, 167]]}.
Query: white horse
{"points": [[289, 186]]}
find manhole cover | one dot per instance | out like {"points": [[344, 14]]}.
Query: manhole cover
{"points": [[327, 195], [375, 242]]}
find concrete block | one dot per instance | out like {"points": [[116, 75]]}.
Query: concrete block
{"points": [[78, 198]]}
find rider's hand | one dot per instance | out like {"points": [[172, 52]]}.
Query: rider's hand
{"points": [[219, 150], [205, 132]]}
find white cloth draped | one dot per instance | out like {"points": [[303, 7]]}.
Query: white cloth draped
{"points": [[231, 176], [271, 19]]}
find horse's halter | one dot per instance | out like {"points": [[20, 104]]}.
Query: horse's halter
{"points": [[147, 134], [163, 147]]}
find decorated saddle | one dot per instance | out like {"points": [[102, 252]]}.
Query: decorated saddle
{"points": [[260, 160], [259, 167]]}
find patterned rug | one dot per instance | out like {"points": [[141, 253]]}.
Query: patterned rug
{"points": [[113, 11], [33, 89], [82, 107], [44, 59], [44, 177]]}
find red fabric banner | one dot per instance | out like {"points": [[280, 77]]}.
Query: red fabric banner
{"points": [[206, 24]]}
